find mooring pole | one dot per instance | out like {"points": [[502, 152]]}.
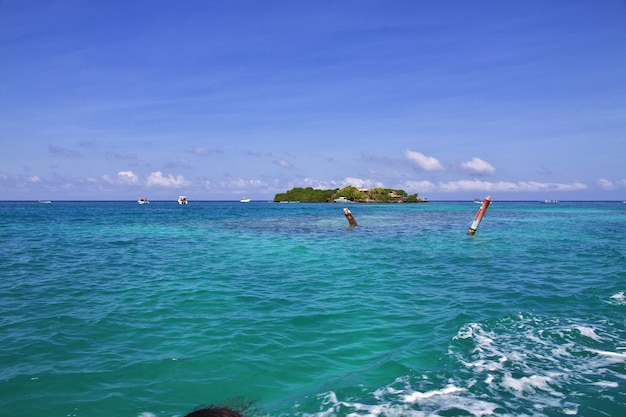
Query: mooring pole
{"points": [[479, 215], [349, 216]]}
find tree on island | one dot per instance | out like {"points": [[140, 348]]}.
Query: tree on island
{"points": [[351, 193], [306, 195]]}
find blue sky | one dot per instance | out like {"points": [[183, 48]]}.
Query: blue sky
{"points": [[216, 100]]}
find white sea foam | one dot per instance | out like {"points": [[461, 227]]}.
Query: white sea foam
{"points": [[530, 384], [588, 332], [618, 357], [407, 402], [618, 298], [544, 364], [537, 360], [606, 384], [417, 396], [451, 397]]}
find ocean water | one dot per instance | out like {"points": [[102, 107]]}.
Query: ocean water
{"points": [[120, 309]]}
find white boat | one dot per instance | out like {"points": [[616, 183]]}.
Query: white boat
{"points": [[342, 200], [182, 199], [143, 200], [478, 201], [48, 201], [550, 201], [245, 200]]}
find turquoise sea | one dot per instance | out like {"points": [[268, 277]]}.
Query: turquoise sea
{"points": [[121, 309]]}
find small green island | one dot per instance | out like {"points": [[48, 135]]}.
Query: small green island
{"points": [[349, 194]]}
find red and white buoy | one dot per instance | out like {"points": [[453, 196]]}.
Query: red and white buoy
{"points": [[479, 215]]}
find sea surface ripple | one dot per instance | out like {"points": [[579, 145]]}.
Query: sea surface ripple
{"points": [[120, 309]]}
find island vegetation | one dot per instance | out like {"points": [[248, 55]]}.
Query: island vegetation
{"points": [[348, 194]]}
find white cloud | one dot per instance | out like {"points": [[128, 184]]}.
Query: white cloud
{"points": [[156, 179], [362, 183], [420, 186], [313, 183], [551, 186], [127, 177], [476, 185], [427, 163], [283, 163], [240, 183], [521, 186], [606, 184], [478, 166], [33, 179]]}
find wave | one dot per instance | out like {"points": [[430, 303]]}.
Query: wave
{"points": [[519, 365]]}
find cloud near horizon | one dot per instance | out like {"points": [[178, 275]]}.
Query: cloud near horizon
{"points": [[520, 186], [127, 177], [610, 185], [241, 184], [478, 167], [426, 163], [156, 179]]}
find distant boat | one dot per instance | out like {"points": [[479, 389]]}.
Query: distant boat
{"points": [[182, 199], [478, 201], [244, 200], [550, 201], [48, 201], [342, 200], [143, 200]]}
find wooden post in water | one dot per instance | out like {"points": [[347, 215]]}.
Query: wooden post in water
{"points": [[479, 215], [350, 217]]}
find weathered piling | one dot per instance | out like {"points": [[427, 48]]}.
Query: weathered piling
{"points": [[479, 215], [350, 217]]}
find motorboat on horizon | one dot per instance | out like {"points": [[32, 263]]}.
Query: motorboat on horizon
{"points": [[182, 199]]}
